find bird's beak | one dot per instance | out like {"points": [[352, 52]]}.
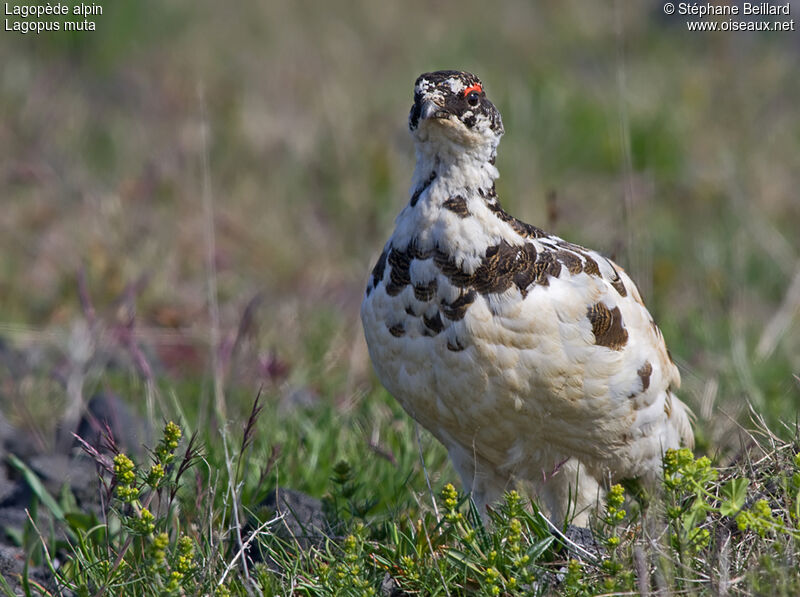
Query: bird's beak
{"points": [[430, 109]]}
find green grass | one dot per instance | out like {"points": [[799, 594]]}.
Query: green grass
{"points": [[175, 521], [305, 108]]}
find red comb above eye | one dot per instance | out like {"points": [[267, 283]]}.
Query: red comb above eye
{"points": [[476, 87]]}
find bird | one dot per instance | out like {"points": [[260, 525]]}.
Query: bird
{"points": [[532, 359]]}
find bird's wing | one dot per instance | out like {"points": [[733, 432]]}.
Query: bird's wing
{"points": [[585, 352]]}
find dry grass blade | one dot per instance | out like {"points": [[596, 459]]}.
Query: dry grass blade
{"points": [[782, 320], [211, 260]]}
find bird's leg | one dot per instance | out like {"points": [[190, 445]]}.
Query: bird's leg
{"points": [[569, 490], [485, 484]]}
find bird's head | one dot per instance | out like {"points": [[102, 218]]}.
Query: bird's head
{"points": [[451, 107]]}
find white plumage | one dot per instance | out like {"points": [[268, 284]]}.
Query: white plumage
{"points": [[530, 358]]}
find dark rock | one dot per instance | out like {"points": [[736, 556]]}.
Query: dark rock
{"points": [[6, 430], [580, 544], [12, 521], [12, 563], [303, 521], [301, 524], [7, 486], [16, 441], [13, 361], [13, 493], [12, 566], [57, 470], [390, 588], [107, 411], [584, 539]]}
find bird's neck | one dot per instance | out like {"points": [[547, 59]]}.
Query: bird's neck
{"points": [[443, 171], [444, 181]]}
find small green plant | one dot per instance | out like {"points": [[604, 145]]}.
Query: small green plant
{"points": [[760, 516], [738, 522], [343, 502], [619, 576], [689, 499], [140, 547], [503, 559], [351, 573], [697, 501], [693, 493], [575, 582]]}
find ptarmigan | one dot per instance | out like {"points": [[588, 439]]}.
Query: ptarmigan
{"points": [[529, 357]]}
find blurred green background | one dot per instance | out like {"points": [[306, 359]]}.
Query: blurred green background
{"points": [[676, 153]]}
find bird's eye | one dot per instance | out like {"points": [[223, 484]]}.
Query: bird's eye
{"points": [[473, 94]]}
